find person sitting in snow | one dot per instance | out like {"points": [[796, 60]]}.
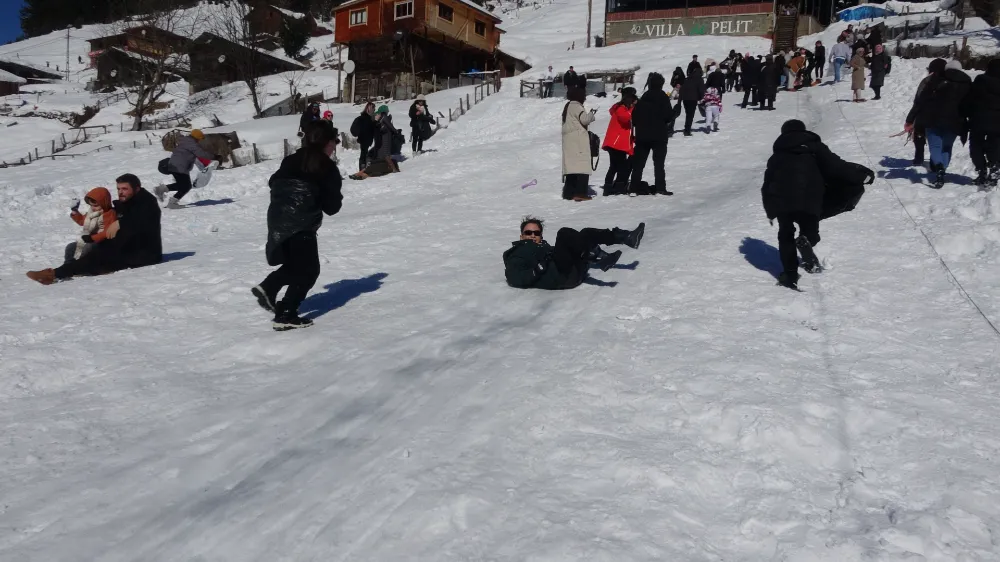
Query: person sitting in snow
{"points": [[180, 164], [95, 222], [713, 108], [804, 183], [531, 263], [131, 241], [388, 144]]}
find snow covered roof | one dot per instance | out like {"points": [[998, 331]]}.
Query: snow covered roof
{"points": [[468, 3], [289, 13], [8, 77], [180, 63], [32, 66]]}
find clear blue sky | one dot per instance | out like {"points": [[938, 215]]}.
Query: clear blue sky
{"points": [[10, 19]]}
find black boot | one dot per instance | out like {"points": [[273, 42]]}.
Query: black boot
{"points": [[938, 176], [993, 178], [603, 259], [285, 320], [265, 300], [810, 262], [630, 238], [982, 179], [789, 279]]}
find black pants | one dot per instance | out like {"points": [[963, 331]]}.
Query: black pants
{"points": [[299, 272], [572, 247], [689, 109], [766, 100], [619, 170], [808, 227], [546, 89], [878, 91], [104, 257], [730, 81], [984, 148], [363, 160], [750, 95], [919, 142], [642, 150], [576, 185], [182, 184], [416, 140], [820, 66]]}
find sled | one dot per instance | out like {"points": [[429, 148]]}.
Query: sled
{"points": [[204, 173]]}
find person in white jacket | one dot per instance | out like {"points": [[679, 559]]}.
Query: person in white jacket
{"points": [[839, 55], [576, 166], [547, 80]]}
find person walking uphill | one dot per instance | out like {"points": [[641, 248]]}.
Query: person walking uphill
{"points": [[819, 52], [364, 128], [619, 144], [839, 55], [984, 121], [796, 181], [751, 74], [420, 124], [180, 165], [576, 166], [881, 64], [653, 121], [305, 187], [691, 93], [531, 263], [941, 108]]}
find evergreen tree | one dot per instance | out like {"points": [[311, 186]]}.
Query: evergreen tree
{"points": [[294, 36]]}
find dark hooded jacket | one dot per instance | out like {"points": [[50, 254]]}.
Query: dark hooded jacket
{"points": [[881, 64], [364, 127], [138, 240], [521, 267], [677, 79], [751, 71], [653, 116], [942, 102], [802, 171], [716, 80], [768, 79], [984, 100], [694, 87], [298, 202]]}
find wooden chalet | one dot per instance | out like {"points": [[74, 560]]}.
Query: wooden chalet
{"points": [[10, 84], [30, 73], [123, 58], [212, 62], [399, 47], [269, 20]]}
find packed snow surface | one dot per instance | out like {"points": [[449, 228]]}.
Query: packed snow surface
{"points": [[678, 407]]}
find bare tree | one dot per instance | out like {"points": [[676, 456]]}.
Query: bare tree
{"points": [[154, 32], [232, 25]]}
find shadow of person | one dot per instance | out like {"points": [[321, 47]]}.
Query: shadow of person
{"points": [[174, 256], [338, 294], [762, 255], [599, 283], [211, 202]]}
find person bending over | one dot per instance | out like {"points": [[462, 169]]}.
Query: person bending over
{"points": [[532, 263]]}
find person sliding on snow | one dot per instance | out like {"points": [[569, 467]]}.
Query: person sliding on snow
{"points": [[713, 109], [180, 165], [95, 223], [804, 183], [306, 186], [533, 264]]}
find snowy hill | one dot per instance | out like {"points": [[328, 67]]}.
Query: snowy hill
{"points": [[678, 407]]}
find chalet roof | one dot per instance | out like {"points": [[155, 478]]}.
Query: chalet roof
{"points": [[12, 65], [275, 55], [289, 13], [468, 3], [178, 63], [8, 77]]}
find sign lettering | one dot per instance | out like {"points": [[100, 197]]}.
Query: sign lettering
{"points": [[744, 24]]}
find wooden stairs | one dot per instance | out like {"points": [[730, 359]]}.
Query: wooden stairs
{"points": [[785, 33]]}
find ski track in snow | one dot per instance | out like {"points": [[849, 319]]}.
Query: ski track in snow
{"points": [[678, 408]]}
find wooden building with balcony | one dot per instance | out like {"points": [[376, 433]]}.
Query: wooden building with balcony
{"points": [[401, 47]]}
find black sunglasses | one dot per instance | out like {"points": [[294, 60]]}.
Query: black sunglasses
{"points": [[532, 232]]}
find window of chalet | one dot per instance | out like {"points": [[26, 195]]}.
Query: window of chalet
{"points": [[359, 17], [480, 28], [446, 12], [404, 9]]}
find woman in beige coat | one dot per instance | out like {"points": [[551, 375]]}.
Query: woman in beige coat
{"points": [[858, 66], [576, 166]]}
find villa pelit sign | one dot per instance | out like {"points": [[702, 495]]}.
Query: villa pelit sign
{"points": [[635, 30]]}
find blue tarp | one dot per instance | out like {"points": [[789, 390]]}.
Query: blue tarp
{"points": [[863, 12]]}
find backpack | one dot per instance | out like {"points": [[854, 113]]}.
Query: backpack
{"points": [[356, 127]]}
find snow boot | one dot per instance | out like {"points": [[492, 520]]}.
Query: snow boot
{"points": [[993, 178], [662, 190], [43, 276], [603, 259], [285, 320], [982, 179], [265, 300], [810, 262], [938, 176], [630, 238], [715, 127], [161, 192], [173, 203], [789, 279]]}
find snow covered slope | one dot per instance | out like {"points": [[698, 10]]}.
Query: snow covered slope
{"points": [[679, 407]]}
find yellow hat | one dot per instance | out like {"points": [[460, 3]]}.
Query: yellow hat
{"points": [[197, 134]]}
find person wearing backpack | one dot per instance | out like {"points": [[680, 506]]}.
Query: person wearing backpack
{"points": [[363, 128], [388, 143], [576, 158]]}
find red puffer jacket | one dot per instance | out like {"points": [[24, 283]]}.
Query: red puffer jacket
{"points": [[619, 135]]}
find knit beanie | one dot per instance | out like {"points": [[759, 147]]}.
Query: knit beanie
{"points": [[793, 126], [953, 65], [937, 66], [383, 109]]}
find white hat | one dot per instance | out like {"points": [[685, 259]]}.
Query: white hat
{"points": [[953, 65], [421, 98]]}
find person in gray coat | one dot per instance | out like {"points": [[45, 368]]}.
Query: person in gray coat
{"points": [[180, 165]]}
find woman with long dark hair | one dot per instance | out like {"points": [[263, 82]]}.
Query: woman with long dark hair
{"points": [[576, 166], [306, 186], [619, 143]]}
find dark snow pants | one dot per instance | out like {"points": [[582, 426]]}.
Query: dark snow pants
{"points": [[750, 95], [576, 185], [984, 148], [642, 150], [104, 257], [919, 143], [808, 227], [299, 272], [619, 170], [363, 160], [182, 184], [689, 108], [416, 140], [572, 247]]}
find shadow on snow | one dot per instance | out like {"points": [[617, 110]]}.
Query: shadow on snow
{"points": [[338, 294], [761, 255]]}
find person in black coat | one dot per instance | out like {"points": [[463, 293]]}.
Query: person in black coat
{"points": [[364, 128], [942, 110], [310, 115], [798, 176], [691, 93], [716, 79], [677, 78], [820, 59], [420, 124], [652, 122], [881, 64], [751, 74], [570, 78], [767, 83], [984, 118], [694, 64], [132, 241], [306, 186]]}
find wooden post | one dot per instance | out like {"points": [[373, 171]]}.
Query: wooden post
{"points": [[36, 153], [64, 140], [53, 146], [413, 71], [255, 160], [449, 115], [467, 104]]}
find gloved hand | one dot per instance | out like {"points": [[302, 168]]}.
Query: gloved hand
{"points": [[540, 268], [87, 239], [76, 206]]}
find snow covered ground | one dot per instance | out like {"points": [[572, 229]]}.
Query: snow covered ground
{"points": [[678, 407]]}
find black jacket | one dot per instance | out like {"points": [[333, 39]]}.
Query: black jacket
{"points": [[693, 88], [799, 172], [298, 201], [942, 102], [417, 120], [138, 240], [716, 80], [692, 66], [881, 64], [820, 54], [677, 79], [768, 79], [751, 71], [530, 265], [653, 117], [364, 128], [307, 117], [984, 104], [570, 79]]}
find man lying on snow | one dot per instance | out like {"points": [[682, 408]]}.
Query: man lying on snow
{"points": [[131, 241], [533, 263], [804, 183]]}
